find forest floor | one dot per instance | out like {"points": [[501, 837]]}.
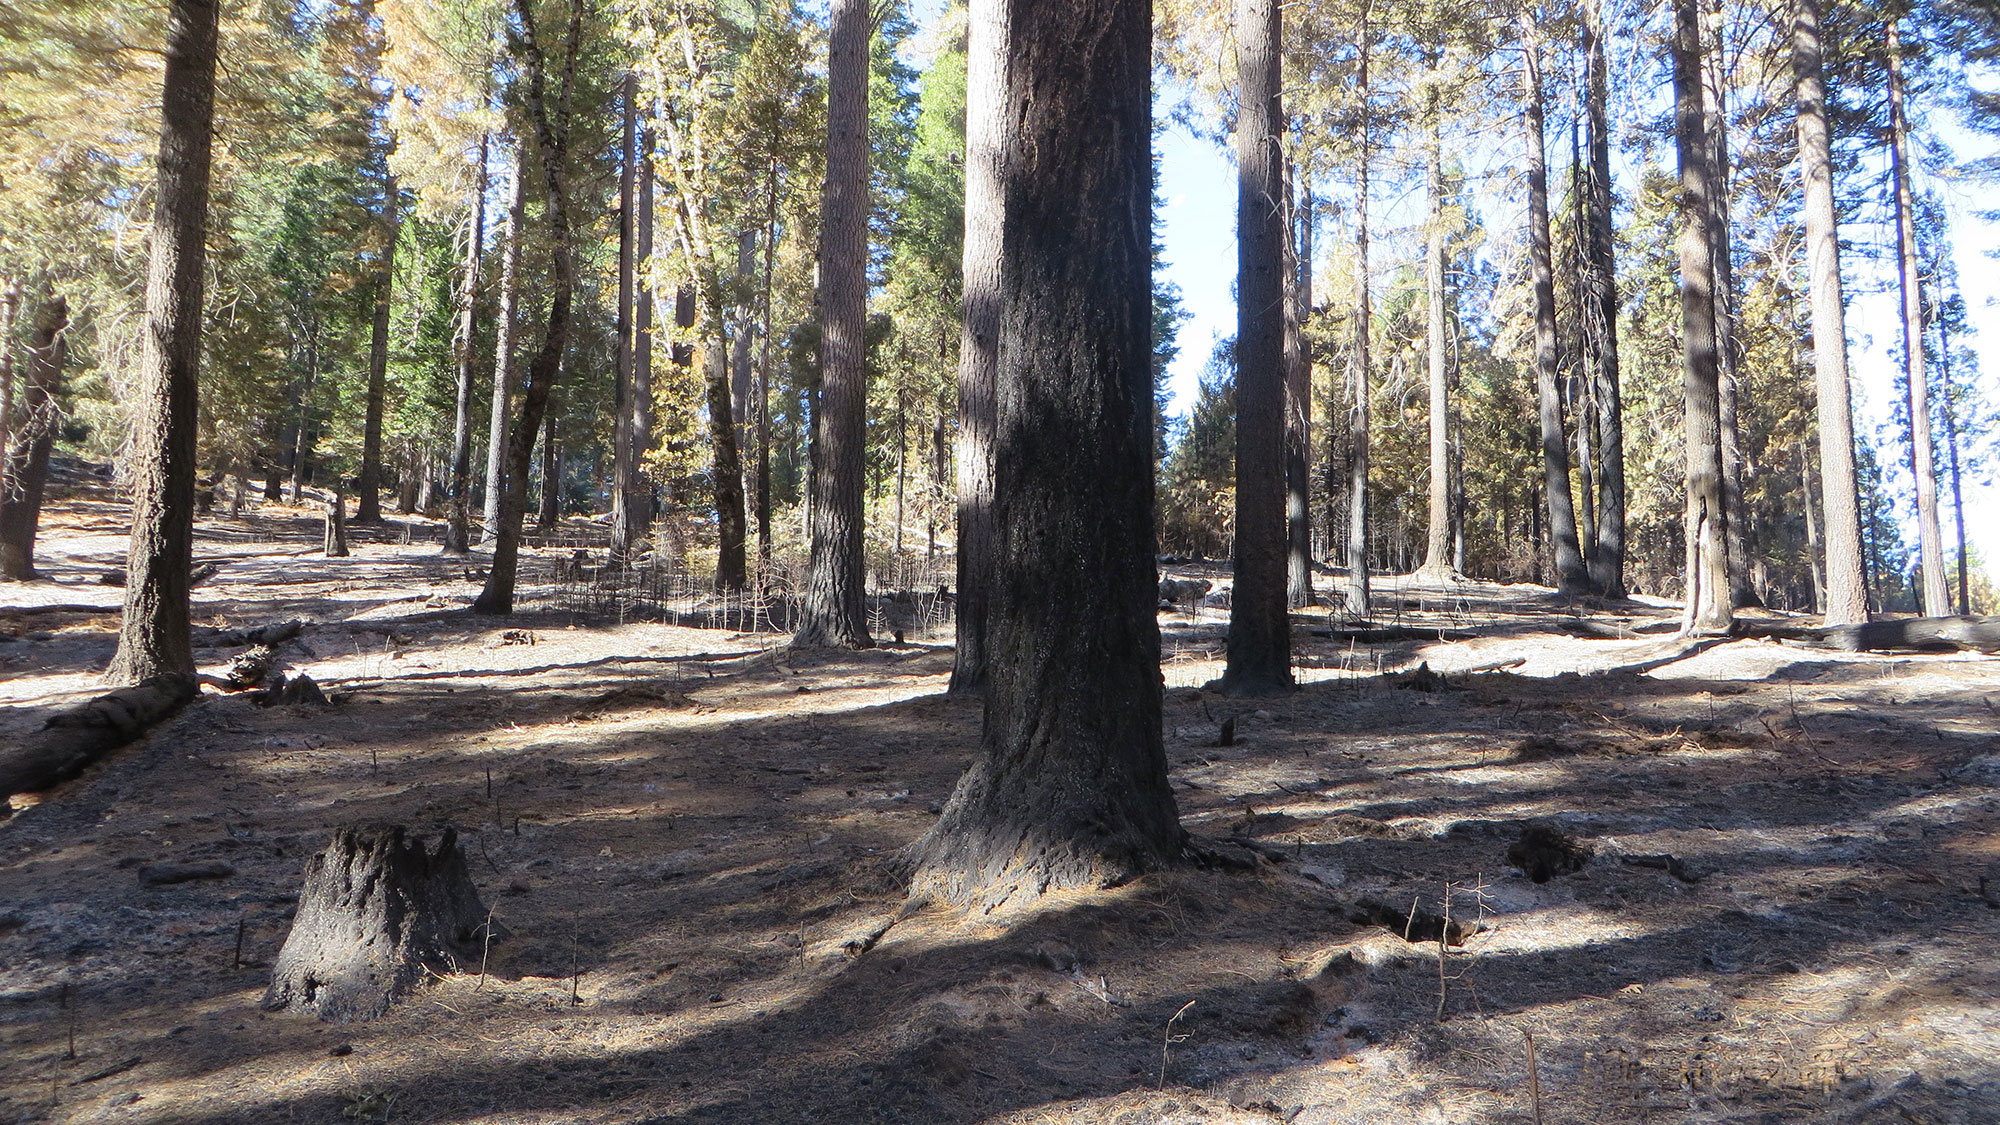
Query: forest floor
{"points": [[1789, 911]]}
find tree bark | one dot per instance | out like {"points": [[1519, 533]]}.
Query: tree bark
{"points": [[503, 347], [978, 353], [1260, 648], [1607, 562], [731, 563], [369, 510], [834, 613], [1729, 352], [1356, 591], [1070, 786], [638, 486], [154, 636], [1923, 458], [549, 514], [1709, 609], [623, 535], [552, 136], [458, 516], [24, 474], [1437, 540], [1570, 576], [1298, 398], [333, 543]]}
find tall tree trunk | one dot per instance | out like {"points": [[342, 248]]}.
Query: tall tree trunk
{"points": [[731, 564], [1437, 540], [1356, 591], [549, 514], [1570, 575], [1069, 790], [623, 534], [24, 474], [834, 613], [1715, 112], [1579, 385], [154, 638], [1298, 398], [1846, 586], [10, 311], [1952, 466], [369, 508], [742, 377], [458, 516], [504, 343], [639, 486], [979, 344], [307, 431], [1607, 561], [1923, 460], [763, 390], [1709, 609], [552, 137], [1260, 635]]}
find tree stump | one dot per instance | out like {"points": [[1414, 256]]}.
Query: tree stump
{"points": [[334, 541], [377, 913]]}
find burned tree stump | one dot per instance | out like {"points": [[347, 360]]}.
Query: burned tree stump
{"points": [[377, 913], [334, 541]]}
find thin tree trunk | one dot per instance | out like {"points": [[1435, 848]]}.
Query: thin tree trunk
{"points": [[1260, 635], [552, 136], [369, 509], [302, 447], [1950, 412], [1846, 585], [834, 613], [1069, 790], [24, 475], [639, 487], [1298, 400], [503, 347], [406, 490], [763, 391], [1607, 562], [1356, 592], [1715, 111], [622, 530], [1582, 390], [154, 638], [742, 379], [1923, 460], [1570, 575], [978, 353], [1709, 610], [458, 516], [549, 514], [731, 566], [10, 311], [1437, 539]]}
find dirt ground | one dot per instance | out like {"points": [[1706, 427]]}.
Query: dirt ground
{"points": [[1788, 911]]}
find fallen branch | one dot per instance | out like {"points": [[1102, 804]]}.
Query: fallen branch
{"points": [[73, 739]]}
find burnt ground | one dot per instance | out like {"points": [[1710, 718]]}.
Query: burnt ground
{"points": [[1773, 873]]}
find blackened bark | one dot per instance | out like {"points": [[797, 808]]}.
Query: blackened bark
{"points": [[1570, 575], [1070, 786], [550, 511], [979, 343], [1259, 661], [552, 134], [503, 348], [1607, 561], [24, 474], [369, 510], [154, 637], [623, 536], [1709, 609], [379, 913], [458, 516], [834, 613], [1846, 588], [1923, 458]]}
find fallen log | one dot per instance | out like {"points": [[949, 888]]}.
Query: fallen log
{"points": [[73, 739], [1920, 634]]}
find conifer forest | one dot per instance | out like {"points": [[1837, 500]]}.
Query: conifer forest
{"points": [[999, 562]]}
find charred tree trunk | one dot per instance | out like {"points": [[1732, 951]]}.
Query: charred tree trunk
{"points": [[1846, 586], [1728, 352], [503, 348], [1708, 589], [1570, 575], [549, 514], [1923, 459], [1260, 649], [1356, 592], [978, 354], [1607, 561], [24, 474], [834, 613], [370, 485], [731, 563], [1070, 786], [379, 912], [458, 516], [552, 135], [154, 636]]}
